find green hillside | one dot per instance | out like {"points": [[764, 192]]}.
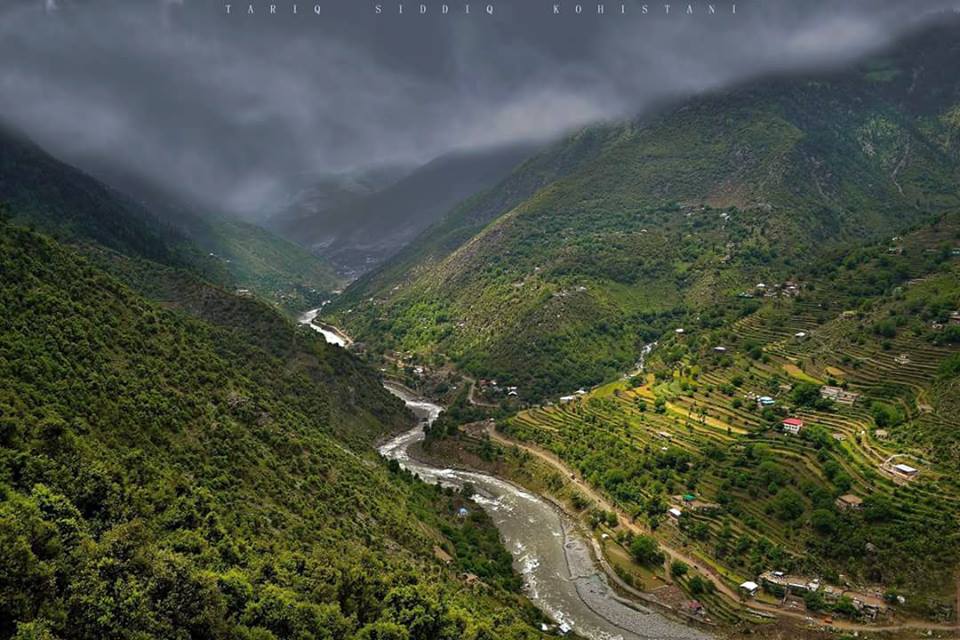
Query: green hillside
{"points": [[68, 203], [267, 265], [876, 324], [60, 200], [163, 476], [651, 222]]}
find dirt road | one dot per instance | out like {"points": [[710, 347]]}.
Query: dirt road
{"points": [[705, 570]]}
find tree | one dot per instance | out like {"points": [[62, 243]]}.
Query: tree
{"points": [[788, 505], [416, 608], [814, 601], [383, 631], [36, 630], [824, 521], [698, 586], [678, 568], [805, 394], [646, 550]]}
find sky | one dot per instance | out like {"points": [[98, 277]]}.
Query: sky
{"points": [[232, 110]]}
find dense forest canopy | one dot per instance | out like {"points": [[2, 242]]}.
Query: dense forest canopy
{"points": [[162, 476]]}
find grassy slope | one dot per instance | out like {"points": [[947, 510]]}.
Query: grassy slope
{"points": [[273, 268], [597, 258], [163, 476]]}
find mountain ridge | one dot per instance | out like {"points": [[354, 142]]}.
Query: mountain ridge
{"points": [[778, 169], [365, 230]]}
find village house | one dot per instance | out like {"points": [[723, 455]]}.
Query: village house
{"points": [[792, 425], [867, 605], [692, 503], [675, 513], [849, 501], [779, 583], [839, 395], [750, 588], [470, 579], [881, 434], [766, 401], [905, 470], [955, 317]]}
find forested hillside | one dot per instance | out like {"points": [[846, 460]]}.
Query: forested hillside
{"points": [[73, 206], [167, 477], [654, 221]]}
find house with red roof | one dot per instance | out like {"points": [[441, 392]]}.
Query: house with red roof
{"points": [[792, 425]]}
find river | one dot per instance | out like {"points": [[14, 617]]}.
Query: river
{"points": [[308, 317], [561, 576]]}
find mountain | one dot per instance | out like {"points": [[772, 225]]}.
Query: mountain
{"points": [[554, 279], [315, 194], [42, 191], [364, 230], [141, 221], [212, 475]]}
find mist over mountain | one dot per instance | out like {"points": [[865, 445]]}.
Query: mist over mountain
{"points": [[229, 110], [138, 219], [601, 241], [355, 225]]}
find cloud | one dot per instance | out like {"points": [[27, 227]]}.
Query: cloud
{"points": [[230, 110]]}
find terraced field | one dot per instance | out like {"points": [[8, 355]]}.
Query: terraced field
{"points": [[693, 426]]}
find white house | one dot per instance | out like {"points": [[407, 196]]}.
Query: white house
{"points": [[792, 425]]}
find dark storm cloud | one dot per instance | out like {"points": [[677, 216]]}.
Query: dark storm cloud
{"points": [[230, 109]]}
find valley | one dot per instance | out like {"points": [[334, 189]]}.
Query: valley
{"points": [[605, 240], [560, 573], [788, 453], [691, 371]]}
